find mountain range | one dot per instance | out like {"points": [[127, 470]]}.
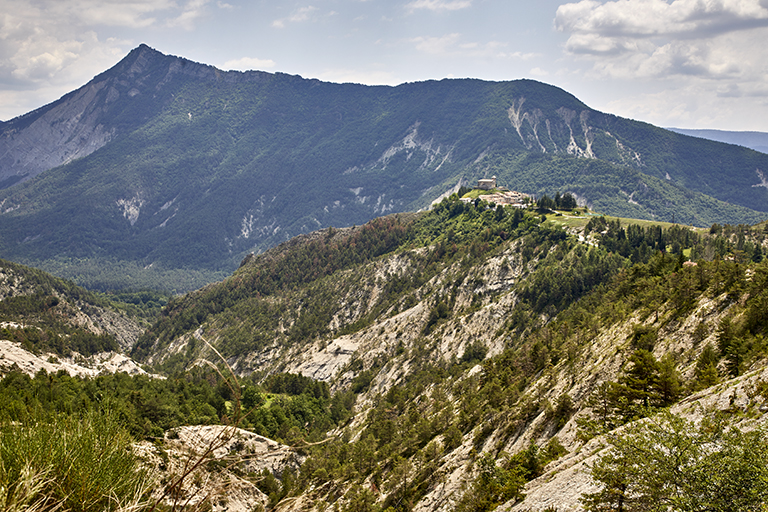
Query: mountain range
{"points": [[465, 357], [165, 173], [753, 140]]}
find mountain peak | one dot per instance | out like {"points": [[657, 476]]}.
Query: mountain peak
{"points": [[147, 52], [144, 59]]}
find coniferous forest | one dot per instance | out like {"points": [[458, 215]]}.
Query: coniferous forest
{"points": [[501, 343]]}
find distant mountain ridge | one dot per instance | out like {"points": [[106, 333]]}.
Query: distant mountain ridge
{"points": [[162, 168], [753, 140]]}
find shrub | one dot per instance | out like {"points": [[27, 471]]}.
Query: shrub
{"points": [[668, 463]]}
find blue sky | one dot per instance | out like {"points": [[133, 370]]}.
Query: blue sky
{"points": [[683, 63]]}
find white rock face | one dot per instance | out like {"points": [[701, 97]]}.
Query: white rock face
{"points": [[131, 208], [14, 356], [67, 131], [236, 456], [326, 363]]}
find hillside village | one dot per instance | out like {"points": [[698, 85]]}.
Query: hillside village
{"points": [[499, 195]]}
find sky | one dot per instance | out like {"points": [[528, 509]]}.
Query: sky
{"points": [[673, 63]]}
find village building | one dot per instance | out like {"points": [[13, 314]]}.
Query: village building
{"points": [[510, 197], [501, 195], [487, 183]]}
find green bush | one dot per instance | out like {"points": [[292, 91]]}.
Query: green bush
{"points": [[668, 463], [494, 485]]}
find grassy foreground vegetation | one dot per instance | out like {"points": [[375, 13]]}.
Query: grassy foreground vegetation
{"points": [[66, 442], [78, 463]]}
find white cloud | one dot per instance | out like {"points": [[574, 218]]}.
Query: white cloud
{"points": [[439, 5], [50, 47], [125, 13], [451, 45], [192, 11], [653, 18], [688, 63], [248, 63], [358, 76], [436, 45], [695, 105], [714, 39], [41, 61], [37, 74], [298, 16], [522, 56], [38, 45]]}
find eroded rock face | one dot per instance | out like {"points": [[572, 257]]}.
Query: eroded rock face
{"points": [[81, 312], [67, 130], [216, 464], [88, 118], [77, 124], [14, 357]]}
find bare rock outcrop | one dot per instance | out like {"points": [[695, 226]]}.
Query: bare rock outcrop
{"points": [[14, 357], [217, 464]]}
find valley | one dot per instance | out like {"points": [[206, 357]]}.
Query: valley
{"points": [[419, 360]]}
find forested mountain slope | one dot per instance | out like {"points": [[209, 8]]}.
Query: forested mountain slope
{"points": [[48, 323], [170, 171], [476, 354]]}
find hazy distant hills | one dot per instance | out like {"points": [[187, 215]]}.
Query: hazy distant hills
{"points": [[163, 172], [753, 140]]}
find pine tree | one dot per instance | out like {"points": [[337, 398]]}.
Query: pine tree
{"points": [[668, 463]]}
